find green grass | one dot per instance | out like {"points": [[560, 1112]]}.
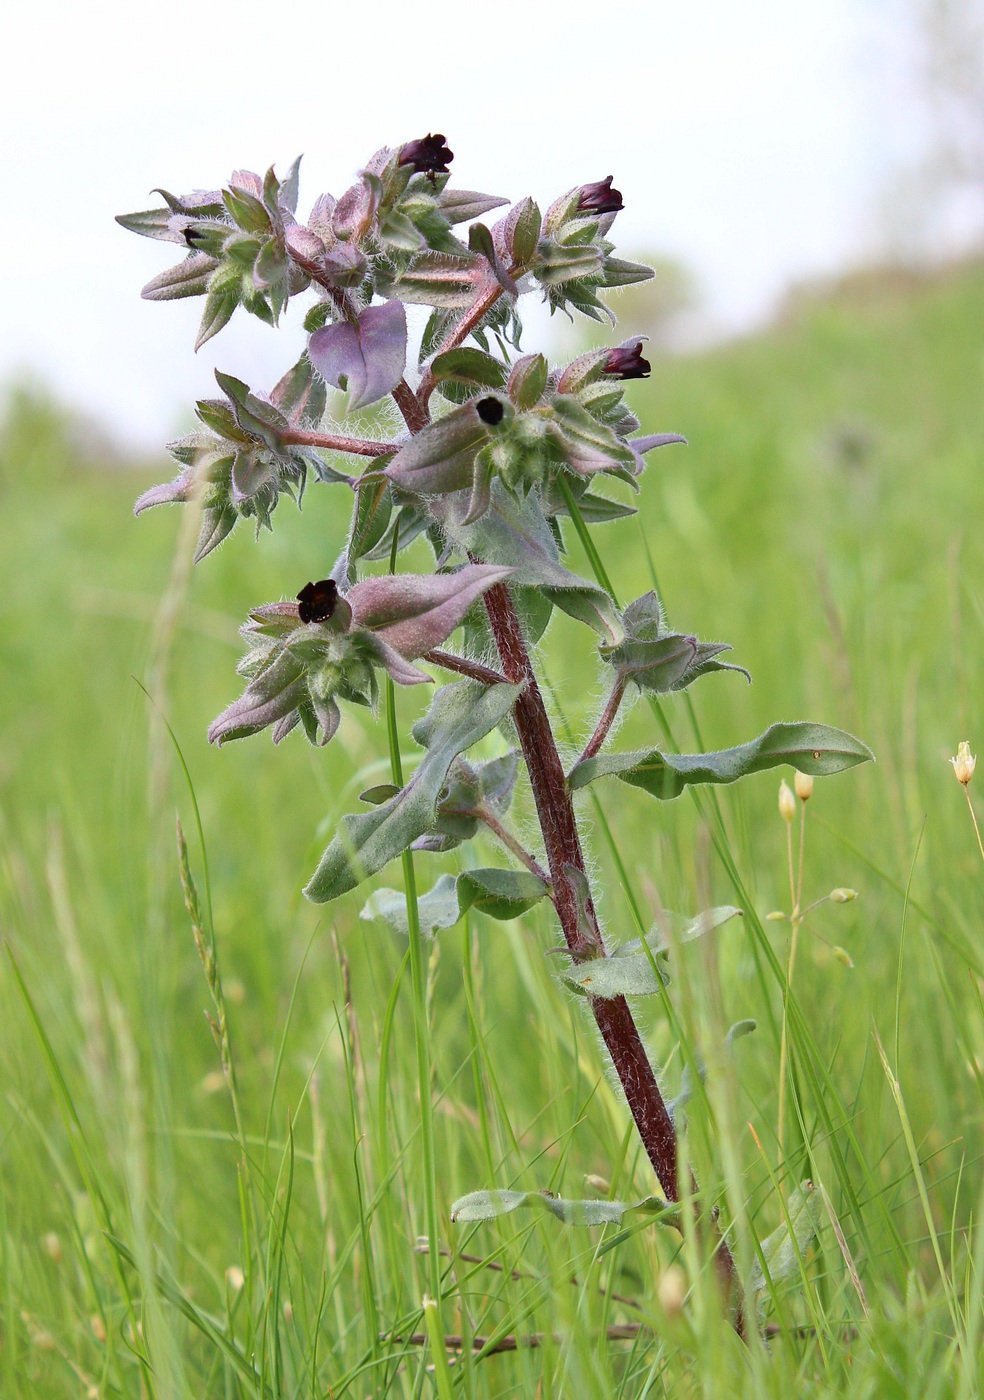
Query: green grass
{"points": [[823, 520]]}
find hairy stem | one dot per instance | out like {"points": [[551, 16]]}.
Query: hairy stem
{"points": [[606, 720], [482, 304], [565, 857], [464, 666], [333, 442], [511, 843]]}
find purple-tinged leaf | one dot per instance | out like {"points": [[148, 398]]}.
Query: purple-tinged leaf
{"points": [[353, 214], [416, 612], [250, 473], [170, 491], [217, 522], [249, 714], [397, 666], [366, 359], [247, 182], [188, 278], [641, 445], [458, 206], [440, 458], [305, 247]]}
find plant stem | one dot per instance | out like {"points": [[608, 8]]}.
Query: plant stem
{"points": [[559, 827], [359, 447], [606, 721], [483, 814], [973, 818], [464, 666], [482, 304]]}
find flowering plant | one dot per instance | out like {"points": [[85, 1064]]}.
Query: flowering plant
{"points": [[500, 459]]}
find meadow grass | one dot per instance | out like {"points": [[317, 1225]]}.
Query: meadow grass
{"points": [[168, 1228]]}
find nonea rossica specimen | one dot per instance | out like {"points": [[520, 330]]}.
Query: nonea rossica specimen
{"points": [[497, 462]]}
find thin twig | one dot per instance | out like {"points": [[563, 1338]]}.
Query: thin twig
{"points": [[480, 307], [422, 1247], [617, 1332], [606, 720], [334, 442], [464, 666], [973, 818], [511, 842]]}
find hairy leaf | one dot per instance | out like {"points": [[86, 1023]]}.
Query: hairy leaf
{"points": [[811, 748], [487, 1205], [459, 716], [368, 358], [785, 1247]]}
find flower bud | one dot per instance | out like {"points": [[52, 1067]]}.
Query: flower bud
{"points": [[787, 802], [842, 956], [776, 917], [803, 784], [672, 1290], [842, 895], [599, 198], [964, 763], [598, 1183], [235, 1278], [428, 153], [51, 1245], [626, 362]]}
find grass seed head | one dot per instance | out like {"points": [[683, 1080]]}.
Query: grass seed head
{"points": [[964, 763]]}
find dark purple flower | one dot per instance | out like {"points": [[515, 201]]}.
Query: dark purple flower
{"points": [[626, 362], [317, 601], [490, 410], [600, 198], [428, 153]]}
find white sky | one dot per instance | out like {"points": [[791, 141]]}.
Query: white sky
{"points": [[750, 139]]}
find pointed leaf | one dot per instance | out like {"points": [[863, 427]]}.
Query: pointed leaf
{"points": [[416, 612], [188, 278], [811, 748], [458, 206], [784, 1248], [487, 1205]]}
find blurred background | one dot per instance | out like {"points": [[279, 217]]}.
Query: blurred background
{"points": [[809, 181], [756, 146]]}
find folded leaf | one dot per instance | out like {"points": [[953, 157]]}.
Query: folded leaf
{"points": [[501, 894], [487, 1205], [810, 748], [415, 612], [366, 358]]}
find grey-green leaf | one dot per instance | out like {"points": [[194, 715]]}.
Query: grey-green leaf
{"points": [[487, 1205], [459, 716], [501, 894], [784, 1248], [812, 748]]}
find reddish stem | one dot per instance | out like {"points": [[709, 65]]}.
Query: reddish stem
{"points": [[333, 442], [483, 303], [564, 855], [606, 721], [464, 666]]}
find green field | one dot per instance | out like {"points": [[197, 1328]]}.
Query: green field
{"points": [[824, 520]]}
